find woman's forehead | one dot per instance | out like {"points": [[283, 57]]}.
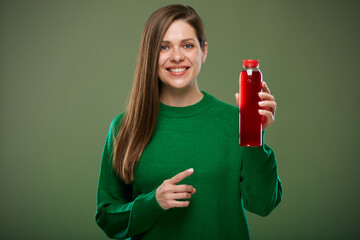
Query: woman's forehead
{"points": [[179, 30]]}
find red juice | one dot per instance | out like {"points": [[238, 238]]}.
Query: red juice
{"points": [[250, 129]]}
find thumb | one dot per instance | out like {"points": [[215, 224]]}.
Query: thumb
{"points": [[237, 98]]}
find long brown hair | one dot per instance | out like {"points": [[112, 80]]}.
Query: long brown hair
{"points": [[139, 120]]}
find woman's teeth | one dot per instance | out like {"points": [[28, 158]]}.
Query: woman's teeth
{"points": [[177, 69]]}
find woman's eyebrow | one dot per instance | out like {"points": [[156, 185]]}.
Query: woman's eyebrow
{"points": [[184, 40]]}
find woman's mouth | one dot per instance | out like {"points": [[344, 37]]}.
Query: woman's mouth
{"points": [[177, 71]]}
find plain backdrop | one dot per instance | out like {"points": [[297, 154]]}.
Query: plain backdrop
{"points": [[66, 70]]}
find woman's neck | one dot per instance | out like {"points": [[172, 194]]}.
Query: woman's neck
{"points": [[180, 97]]}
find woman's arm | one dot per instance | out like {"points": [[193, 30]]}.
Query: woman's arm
{"points": [[117, 214], [260, 185]]}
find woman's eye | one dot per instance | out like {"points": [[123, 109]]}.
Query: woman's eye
{"points": [[188, 45], [164, 47]]}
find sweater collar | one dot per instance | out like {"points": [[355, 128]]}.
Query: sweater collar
{"points": [[191, 110]]}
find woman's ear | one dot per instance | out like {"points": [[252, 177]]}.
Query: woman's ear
{"points": [[204, 52]]}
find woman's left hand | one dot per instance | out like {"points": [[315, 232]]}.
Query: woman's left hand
{"points": [[267, 105]]}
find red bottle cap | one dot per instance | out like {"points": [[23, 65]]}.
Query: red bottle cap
{"points": [[250, 63]]}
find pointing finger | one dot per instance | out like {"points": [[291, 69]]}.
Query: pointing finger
{"points": [[180, 176]]}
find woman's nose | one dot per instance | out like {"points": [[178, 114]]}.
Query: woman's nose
{"points": [[176, 55]]}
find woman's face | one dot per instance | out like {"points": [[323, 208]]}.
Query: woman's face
{"points": [[180, 56]]}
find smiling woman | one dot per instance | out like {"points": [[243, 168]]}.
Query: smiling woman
{"points": [[180, 62], [174, 132]]}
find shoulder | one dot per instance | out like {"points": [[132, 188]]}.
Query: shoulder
{"points": [[117, 119], [116, 122], [223, 109], [225, 114]]}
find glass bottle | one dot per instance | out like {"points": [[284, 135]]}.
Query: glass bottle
{"points": [[250, 128]]}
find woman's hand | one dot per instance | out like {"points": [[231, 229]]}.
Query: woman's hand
{"points": [[267, 105], [167, 193]]}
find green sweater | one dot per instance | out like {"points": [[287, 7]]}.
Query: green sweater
{"points": [[228, 178]]}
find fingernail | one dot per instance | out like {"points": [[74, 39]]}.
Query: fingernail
{"points": [[261, 103], [191, 170]]}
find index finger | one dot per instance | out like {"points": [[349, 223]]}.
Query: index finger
{"points": [[265, 87], [180, 176]]}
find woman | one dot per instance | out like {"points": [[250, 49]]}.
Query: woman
{"points": [[172, 132]]}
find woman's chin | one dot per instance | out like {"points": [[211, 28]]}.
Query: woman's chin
{"points": [[180, 83]]}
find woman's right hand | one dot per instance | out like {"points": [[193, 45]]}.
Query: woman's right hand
{"points": [[167, 193]]}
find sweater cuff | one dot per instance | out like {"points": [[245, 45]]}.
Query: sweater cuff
{"points": [[146, 209], [155, 203]]}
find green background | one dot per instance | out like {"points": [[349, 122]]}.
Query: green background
{"points": [[66, 70]]}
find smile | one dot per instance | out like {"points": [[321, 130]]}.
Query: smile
{"points": [[177, 70]]}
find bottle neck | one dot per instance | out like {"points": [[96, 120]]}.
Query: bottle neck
{"points": [[245, 68], [251, 67]]}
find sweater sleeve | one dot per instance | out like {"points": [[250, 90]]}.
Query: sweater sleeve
{"points": [[117, 214], [260, 185]]}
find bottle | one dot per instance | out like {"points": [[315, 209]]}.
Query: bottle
{"points": [[250, 128]]}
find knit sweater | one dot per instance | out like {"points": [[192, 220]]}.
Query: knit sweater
{"points": [[228, 178]]}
